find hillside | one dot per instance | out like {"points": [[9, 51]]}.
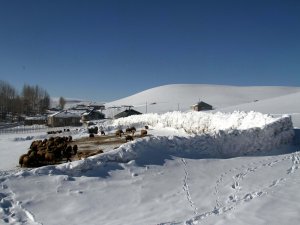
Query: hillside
{"points": [[179, 97], [182, 96]]}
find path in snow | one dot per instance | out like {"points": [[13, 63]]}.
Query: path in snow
{"points": [[186, 187], [11, 210], [234, 178]]}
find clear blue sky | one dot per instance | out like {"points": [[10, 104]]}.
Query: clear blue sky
{"points": [[105, 50]]}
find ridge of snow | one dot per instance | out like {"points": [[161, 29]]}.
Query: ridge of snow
{"points": [[198, 122], [235, 140]]}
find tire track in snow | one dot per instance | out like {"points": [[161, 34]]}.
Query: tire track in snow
{"points": [[237, 198], [186, 187]]}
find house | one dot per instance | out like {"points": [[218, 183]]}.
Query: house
{"points": [[80, 107], [64, 118], [97, 106], [127, 112], [201, 106], [85, 107], [92, 115]]}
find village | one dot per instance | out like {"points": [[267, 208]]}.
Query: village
{"points": [[59, 147], [84, 114]]}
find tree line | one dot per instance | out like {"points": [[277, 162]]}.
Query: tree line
{"points": [[32, 100]]}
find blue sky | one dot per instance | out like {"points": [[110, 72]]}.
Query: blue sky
{"points": [[106, 50]]}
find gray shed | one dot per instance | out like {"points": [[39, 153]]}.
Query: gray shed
{"points": [[200, 106], [64, 118], [127, 112], [93, 115]]}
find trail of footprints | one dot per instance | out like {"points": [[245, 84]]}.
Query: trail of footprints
{"points": [[12, 211], [236, 196], [186, 187], [9, 207]]}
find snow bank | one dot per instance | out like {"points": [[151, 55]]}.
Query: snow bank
{"points": [[263, 133], [197, 122]]}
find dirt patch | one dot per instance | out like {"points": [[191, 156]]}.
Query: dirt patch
{"points": [[98, 142], [89, 146]]}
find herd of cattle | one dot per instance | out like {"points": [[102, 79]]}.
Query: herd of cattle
{"points": [[48, 151], [58, 149], [129, 132]]}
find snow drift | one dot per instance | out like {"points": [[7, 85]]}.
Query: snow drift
{"points": [[218, 135], [227, 134]]}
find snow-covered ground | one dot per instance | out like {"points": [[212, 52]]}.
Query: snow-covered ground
{"points": [[193, 168]]}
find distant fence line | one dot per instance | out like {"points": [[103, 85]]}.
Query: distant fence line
{"points": [[29, 129]]}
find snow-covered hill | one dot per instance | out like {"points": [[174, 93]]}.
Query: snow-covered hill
{"points": [[238, 168], [182, 96]]}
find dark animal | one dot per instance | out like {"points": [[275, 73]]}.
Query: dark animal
{"points": [[102, 132], [75, 149], [146, 127], [68, 153], [119, 133], [93, 130], [26, 161], [143, 133], [128, 138], [21, 159], [49, 157], [131, 130]]}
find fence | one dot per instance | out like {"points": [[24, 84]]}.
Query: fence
{"points": [[29, 129], [23, 129]]}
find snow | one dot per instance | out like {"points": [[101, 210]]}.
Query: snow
{"points": [[229, 167], [183, 96], [64, 114]]}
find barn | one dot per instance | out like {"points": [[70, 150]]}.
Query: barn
{"points": [[92, 115], [127, 112], [64, 118], [201, 106]]}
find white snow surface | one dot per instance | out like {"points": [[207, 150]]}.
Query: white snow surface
{"points": [[230, 167], [180, 97]]}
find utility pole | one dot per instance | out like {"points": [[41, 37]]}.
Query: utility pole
{"points": [[146, 106]]}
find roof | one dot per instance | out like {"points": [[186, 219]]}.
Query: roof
{"points": [[127, 112], [65, 114], [35, 118], [92, 112], [203, 104]]}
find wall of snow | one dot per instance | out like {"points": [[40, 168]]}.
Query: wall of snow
{"points": [[198, 122], [217, 135], [229, 134]]}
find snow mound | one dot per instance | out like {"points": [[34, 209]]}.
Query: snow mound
{"points": [[198, 122], [241, 133]]}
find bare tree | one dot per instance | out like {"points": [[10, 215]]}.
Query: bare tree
{"points": [[7, 96], [62, 102], [35, 100]]}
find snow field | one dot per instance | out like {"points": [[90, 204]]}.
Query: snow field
{"points": [[169, 179]]}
